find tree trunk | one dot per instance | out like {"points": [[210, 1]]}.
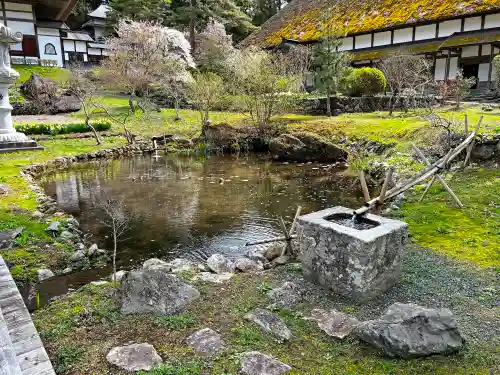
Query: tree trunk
{"points": [[114, 252], [131, 102], [328, 104], [88, 125], [192, 31], [392, 100], [177, 107]]}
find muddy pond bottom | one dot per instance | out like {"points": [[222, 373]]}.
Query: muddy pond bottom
{"points": [[192, 207]]}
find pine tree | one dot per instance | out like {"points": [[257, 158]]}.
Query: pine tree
{"points": [[330, 66]]}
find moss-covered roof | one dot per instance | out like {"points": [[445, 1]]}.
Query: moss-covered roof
{"points": [[305, 20]]}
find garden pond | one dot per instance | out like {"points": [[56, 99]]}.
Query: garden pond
{"points": [[190, 206]]}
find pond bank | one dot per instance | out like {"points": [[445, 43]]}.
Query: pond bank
{"points": [[92, 314]]}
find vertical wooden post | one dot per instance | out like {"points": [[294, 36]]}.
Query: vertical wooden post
{"points": [[364, 186]]}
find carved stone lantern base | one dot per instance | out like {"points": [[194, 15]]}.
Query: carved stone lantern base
{"points": [[10, 140]]}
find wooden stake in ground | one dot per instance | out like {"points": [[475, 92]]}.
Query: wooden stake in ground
{"points": [[437, 176], [471, 146], [364, 186], [288, 235]]}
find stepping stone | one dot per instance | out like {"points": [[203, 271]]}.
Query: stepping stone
{"points": [[270, 322], [286, 296], [206, 342], [135, 357], [334, 323], [213, 277], [255, 363], [248, 265], [218, 263]]}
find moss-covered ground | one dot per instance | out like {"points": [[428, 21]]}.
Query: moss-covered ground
{"points": [[92, 316]]}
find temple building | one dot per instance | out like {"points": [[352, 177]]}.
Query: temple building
{"points": [[455, 34], [47, 39]]}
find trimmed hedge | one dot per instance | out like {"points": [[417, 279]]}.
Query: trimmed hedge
{"points": [[365, 81], [55, 129]]}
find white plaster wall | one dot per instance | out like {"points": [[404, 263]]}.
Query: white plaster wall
{"points": [[447, 28], [21, 15], [491, 21], [453, 67], [94, 51], [81, 46], [381, 39], [46, 31], [483, 72], [99, 32], [440, 70], [472, 23], [425, 32], [486, 50], [27, 28], [403, 35], [56, 41], [471, 51], [85, 57], [363, 41], [17, 6], [347, 44], [16, 47], [68, 45], [66, 56]]}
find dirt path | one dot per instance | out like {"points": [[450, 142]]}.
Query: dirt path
{"points": [[53, 119]]}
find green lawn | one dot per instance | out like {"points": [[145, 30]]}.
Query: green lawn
{"points": [[53, 73]]}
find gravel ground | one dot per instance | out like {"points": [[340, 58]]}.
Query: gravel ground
{"points": [[429, 280]]}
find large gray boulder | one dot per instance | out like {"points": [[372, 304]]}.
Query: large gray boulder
{"points": [[44, 274], [155, 291], [305, 147], [408, 330], [270, 322], [135, 357], [66, 103], [334, 323], [206, 342], [218, 263], [248, 265], [255, 363]]}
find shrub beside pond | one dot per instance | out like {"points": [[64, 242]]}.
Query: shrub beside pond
{"points": [[55, 129]]}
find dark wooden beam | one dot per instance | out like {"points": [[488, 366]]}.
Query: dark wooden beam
{"points": [[66, 10]]}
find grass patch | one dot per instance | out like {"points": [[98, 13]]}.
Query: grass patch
{"points": [[53, 73], [67, 356], [471, 233], [175, 321], [192, 367]]}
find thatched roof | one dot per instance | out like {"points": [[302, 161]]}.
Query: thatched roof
{"points": [[305, 20]]}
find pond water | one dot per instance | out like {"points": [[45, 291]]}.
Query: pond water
{"points": [[186, 206]]}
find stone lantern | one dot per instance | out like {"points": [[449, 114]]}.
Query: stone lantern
{"points": [[10, 140]]}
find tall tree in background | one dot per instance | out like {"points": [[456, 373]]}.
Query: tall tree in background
{"points": [[186, 15], [137, 10], [330, 66], [194, 15]]}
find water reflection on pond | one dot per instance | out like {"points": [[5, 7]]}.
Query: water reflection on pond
{"points": [[192, 207]]}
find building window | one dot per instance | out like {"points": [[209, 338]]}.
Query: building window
{"points": [[50, 49]]}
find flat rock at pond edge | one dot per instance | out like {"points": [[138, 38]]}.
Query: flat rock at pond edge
{"points": [[286, 296], [218, 263], [256, 363], [408, 330], [213, 277], [334, 323], [155, 291], [8, 237], [270, 322], [44, 273], [304, 147], [135, 357], [248, 265], [206, 342]]}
